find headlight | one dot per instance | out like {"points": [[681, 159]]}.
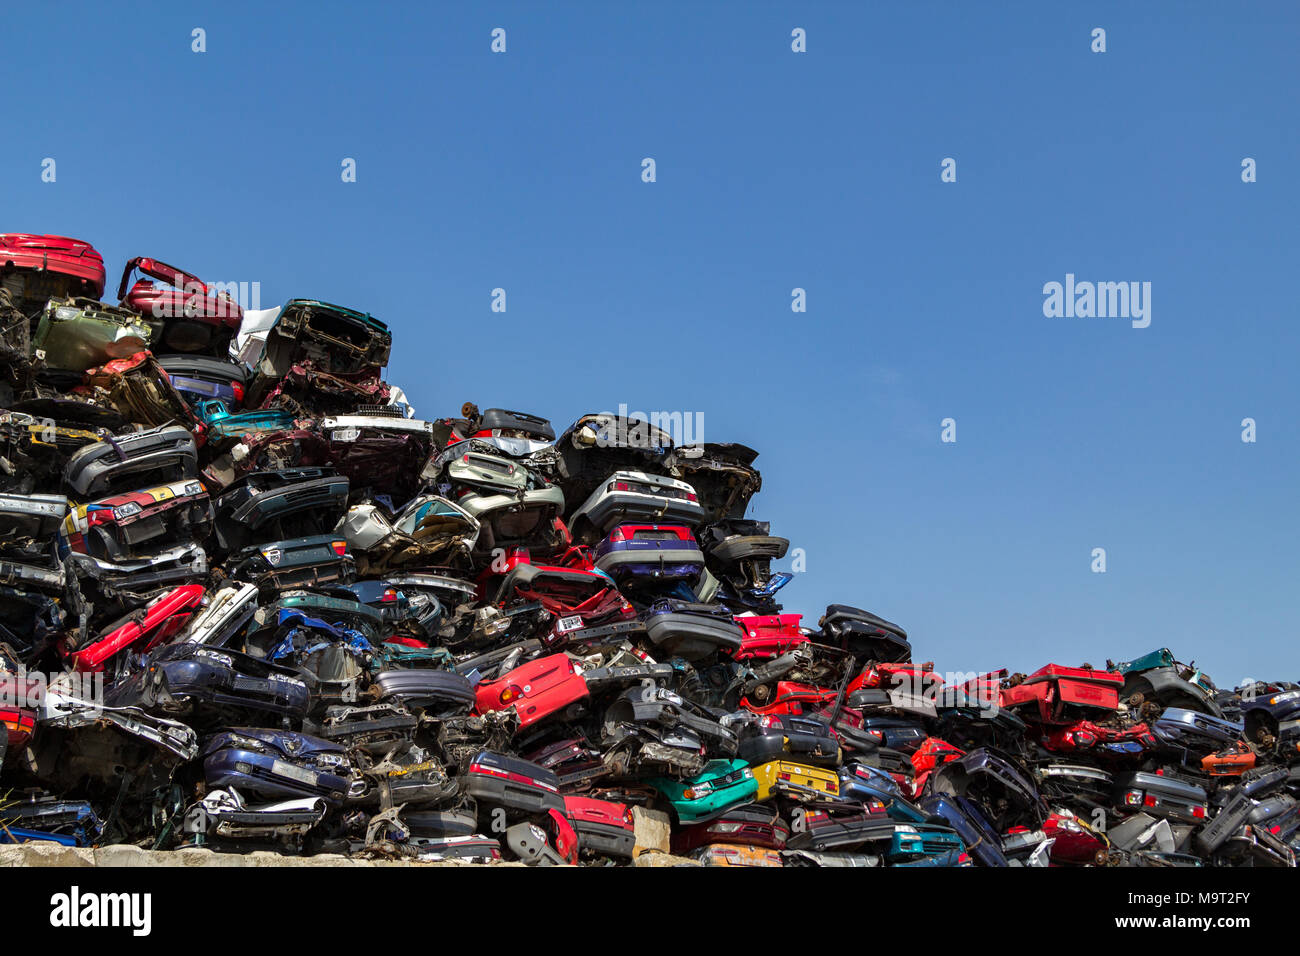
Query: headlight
{"points": [[64, 312], [126, 510]]}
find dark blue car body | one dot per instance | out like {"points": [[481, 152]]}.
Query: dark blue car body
{"points": [[277, 765], [965, 817]]}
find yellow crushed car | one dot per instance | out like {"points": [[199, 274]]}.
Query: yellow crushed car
{"points": [[795, 780]]}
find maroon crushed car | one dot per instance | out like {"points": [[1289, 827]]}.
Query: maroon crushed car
{"points": [[195, 317], [311, 393], [269, 451]]}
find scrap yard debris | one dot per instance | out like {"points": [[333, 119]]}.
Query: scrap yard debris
{"points": [[250, 601]]}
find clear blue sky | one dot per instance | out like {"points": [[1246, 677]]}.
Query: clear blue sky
{"points": [[775, 170]]}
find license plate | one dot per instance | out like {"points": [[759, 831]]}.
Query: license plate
{"points": [[282, 769], [570, 623], [345, 434], [195, 385]]}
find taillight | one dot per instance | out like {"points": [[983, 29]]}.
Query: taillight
{"points": [[511, 693], [1133, 798], [617, 535], [1150, 800], [783, 776], [622, 486], [690, 496], [340, 547], [238, 390], [1199, 812]]}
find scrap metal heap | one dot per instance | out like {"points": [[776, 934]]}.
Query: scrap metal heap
{"points": [[249, 601]]}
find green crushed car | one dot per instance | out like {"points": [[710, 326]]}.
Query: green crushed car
{"points": [[78, 334], [720, 785]]}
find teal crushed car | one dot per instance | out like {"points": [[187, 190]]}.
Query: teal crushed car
{"points": [[720, 785], [225, 427], [1163, 682], [335, 339], [921, 840]]}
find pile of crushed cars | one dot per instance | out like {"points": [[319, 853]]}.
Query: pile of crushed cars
{"points": [[249, 601]]}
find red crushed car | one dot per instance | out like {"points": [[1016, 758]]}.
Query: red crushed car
{"points": [[914, 678], [36, 269], [1061, 695], [572, 590], [535, 690], [932, 753], [161, 620], [791, 697], [769, 635], [603, 826], [1084, 735]]}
